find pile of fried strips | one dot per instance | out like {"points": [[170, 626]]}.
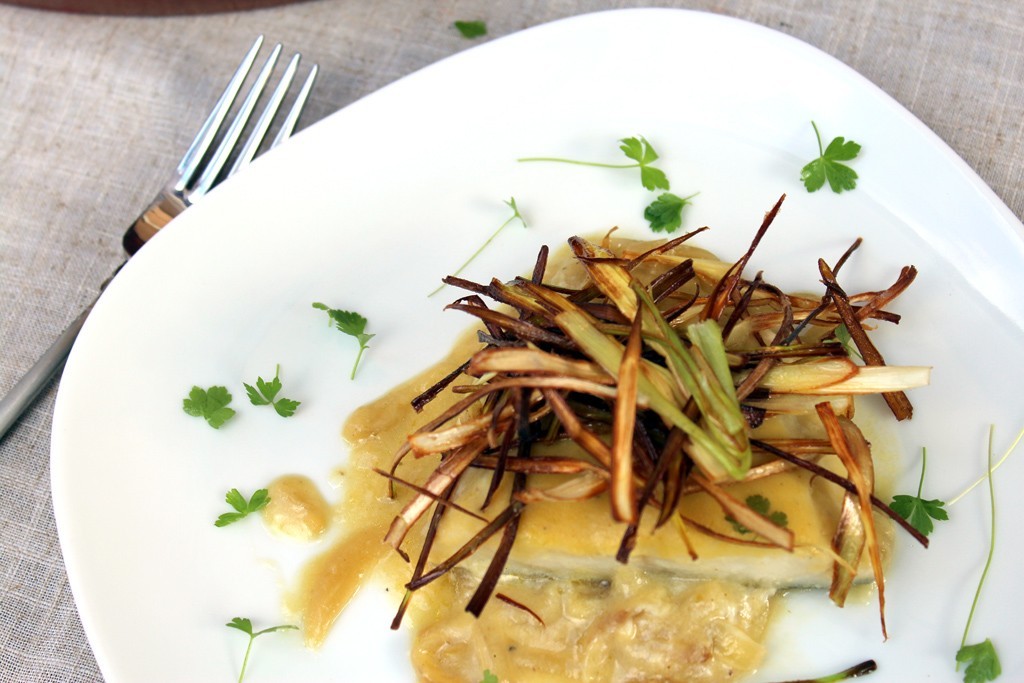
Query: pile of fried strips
{"points": [[639, 377]]}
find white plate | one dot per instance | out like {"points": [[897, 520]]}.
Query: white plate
{"points": [[369, 208]]}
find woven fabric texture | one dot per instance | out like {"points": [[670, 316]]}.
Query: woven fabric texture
{"points": [[94, 111]]}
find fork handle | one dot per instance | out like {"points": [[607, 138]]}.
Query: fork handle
{"points": [[21, 396], [156, 216]]}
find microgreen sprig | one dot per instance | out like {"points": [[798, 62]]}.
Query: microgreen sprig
{"points": [[245, 626], [352, 324], [511, 202], [981, 658], [635, 148]]}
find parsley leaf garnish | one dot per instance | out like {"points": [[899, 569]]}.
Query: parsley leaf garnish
{"points": [[245, 626], [352, 324], [635, 148], [827, 167], [641, 151], [511, 202], [762, 506], [918, 511], [981, 660], [665, 214], [471, 29], [265, 393], [243, 508], [489, 677], [209, 404]]}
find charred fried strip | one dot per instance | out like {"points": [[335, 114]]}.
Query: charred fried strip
{"points": [[722, 293], [490, 578], [831, 476], [438, 498], [873, 307], [740, 309], [518, 605], [500, 465], [421, 562], [863, 484], [587, 440], [540, 265], [521, 328], [540, 465], [470, 547], [897, 401], [623, 497], [671, 280], [430, 394]]}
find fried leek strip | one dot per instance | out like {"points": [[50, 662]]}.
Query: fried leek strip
{"points": [[659, 367]]}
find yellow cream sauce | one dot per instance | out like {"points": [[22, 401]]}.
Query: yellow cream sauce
{"points": [[600, 623]]}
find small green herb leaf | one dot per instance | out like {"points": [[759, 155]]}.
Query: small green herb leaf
{"points": [[918, 511], [981, 660], [209, 404], [827, 167], [471, 29], [843, 337], [245, 626], [265, 394], [243, 508], [665, 214], [242, 624], [489, 677], [639, 150], [511, 203], [352, 324], [762, 506]]}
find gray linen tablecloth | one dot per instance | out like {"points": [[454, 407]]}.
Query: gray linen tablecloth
{"points": [[94, 111]]}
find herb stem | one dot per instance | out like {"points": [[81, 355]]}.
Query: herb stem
{"points": [[245, 660], [476, 253], [821, 150], [577, 162], [993, 468], [924, 464], [359, 355], [991, 545]]}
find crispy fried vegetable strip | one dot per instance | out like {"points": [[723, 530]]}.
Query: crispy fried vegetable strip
{"points": [[853, 451], [897, 401], [446, 473], [657, 369], [623, 495], [723, 291]]}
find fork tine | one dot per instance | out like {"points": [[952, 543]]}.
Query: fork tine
{"points": [[248, 150], [293, 114], [189, 163], [210, 174]]}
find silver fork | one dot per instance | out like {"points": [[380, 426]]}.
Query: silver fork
{"points": [[196, 174]]}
